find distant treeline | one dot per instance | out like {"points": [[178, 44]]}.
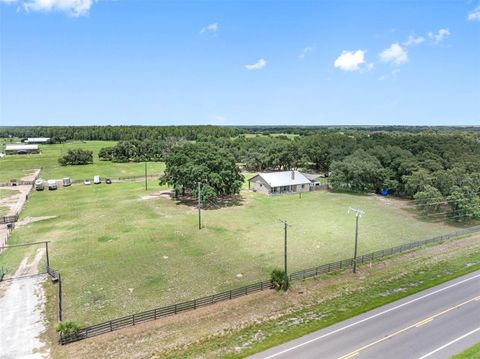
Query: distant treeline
{"points": [[118, 133]]}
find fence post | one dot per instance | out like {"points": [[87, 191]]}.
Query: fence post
{"points": [[155, 314], [59, 297], [175, 309], [111, 327]]}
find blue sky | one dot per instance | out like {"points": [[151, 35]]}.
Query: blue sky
{"points": [[79, 62]]}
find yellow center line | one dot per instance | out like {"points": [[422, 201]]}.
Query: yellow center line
{"points": [[416, 325]]}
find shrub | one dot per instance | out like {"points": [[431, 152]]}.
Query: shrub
{"points": [[279, 280], [68, 327]]}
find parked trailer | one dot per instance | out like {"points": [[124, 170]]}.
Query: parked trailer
{"points": [[39, 185], [52, 184], [96, 180], [66, 181]]}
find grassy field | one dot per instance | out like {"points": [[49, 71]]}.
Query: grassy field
{"points": [[17, 166], [122, 251]]}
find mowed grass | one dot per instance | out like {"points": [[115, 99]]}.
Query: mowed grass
{"points": [[18, 166], [120, 254]]}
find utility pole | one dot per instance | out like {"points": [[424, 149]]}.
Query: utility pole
{"points": [[358, 214], [285, 260], [146, 182], [199, 190]]}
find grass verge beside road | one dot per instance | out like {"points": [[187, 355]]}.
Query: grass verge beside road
{"points": [[470, 353], [241, 327]]}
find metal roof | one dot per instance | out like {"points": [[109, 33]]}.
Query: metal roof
{"points": [[284, 178], [38, 139], [20, 147], [312, 176]]}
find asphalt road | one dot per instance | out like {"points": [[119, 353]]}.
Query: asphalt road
{"points": [[435, 323]]}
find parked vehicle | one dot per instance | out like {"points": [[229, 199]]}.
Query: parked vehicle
{"points": [[108, 181], [66, 181], [96, 180], [52, 184], [39, 185], [86, 182]]}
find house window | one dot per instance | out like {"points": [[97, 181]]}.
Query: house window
{"points": [[303, 186]]}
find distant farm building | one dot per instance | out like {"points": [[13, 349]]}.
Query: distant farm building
{"points": [[37, 140], [279, 182], [20, 149]]}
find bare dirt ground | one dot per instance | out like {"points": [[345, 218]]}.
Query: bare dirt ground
{"points": [[151, 339], [31, 176], [22, 304], [15, 203]]}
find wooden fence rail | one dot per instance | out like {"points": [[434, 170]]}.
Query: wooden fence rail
{"points": [[173, 309]]}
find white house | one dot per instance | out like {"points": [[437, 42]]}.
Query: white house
{"points": [[279, 182]]}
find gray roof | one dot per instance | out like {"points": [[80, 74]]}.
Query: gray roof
{"points": [[284, 178]]}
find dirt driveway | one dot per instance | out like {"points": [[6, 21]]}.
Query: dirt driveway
{"points": [[22, 304]]}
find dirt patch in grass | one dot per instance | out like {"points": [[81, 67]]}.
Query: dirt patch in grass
{"points": [[27, 220], [154, 338], [31, 176]]}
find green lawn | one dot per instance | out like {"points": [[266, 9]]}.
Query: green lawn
{"points": [[17, 166], [119, 253], [471, 353]]}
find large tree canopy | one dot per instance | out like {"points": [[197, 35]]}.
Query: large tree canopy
{"points": [[359, 172], [76, 156], [213, 167]]}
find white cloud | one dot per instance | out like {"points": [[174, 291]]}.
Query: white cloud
{"points": [[305, 51], [395, 53], [382, 78], [260, 64], [210, 28], [350, 60], [474, 15], [439, 36], [414, 40], [70, 7]]}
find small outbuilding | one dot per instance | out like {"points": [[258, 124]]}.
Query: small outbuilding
{"points": [[20, 149], [279, 182]]}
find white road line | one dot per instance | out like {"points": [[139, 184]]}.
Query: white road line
{"points": [[371, 317], [450, 343]]}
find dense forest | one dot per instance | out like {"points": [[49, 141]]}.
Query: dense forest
{"points": [[438, 167]]}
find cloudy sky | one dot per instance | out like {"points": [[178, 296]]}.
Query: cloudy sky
{"points": [[160, 62]]}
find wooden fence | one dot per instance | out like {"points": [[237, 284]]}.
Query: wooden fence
{"points": [[17, 183], [154, 314], [8, 219]]}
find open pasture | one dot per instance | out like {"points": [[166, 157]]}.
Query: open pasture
{"points": [[121, 249], [18, 166]]}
